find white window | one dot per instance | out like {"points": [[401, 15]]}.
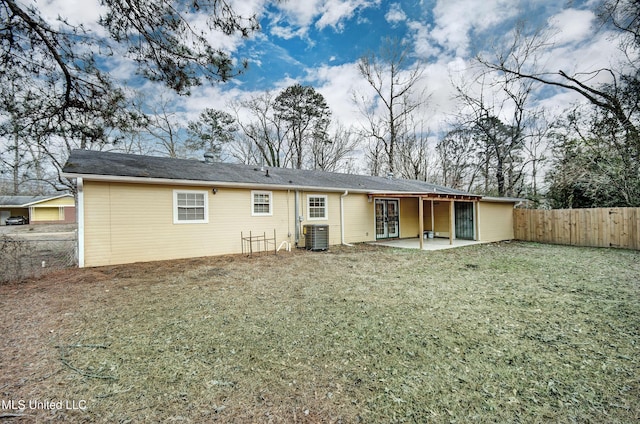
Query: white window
{"points": [[190, 207], [316, 207], [261, 203]]}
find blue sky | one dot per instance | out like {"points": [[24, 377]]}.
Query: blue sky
{"points": [[318, 43]]}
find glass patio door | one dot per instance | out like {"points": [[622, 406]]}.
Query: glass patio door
{"points": [[387, 218]]}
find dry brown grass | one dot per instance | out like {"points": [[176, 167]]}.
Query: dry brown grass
{"points": [[513, 332]]}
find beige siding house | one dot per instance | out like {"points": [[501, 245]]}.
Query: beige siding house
{"points": [[51, 209], [135, 208]]}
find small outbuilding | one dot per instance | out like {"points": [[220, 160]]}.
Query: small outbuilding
{"points": [[134, 208]]}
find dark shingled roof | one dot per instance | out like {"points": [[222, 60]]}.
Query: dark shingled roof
{"points": [[23, 201], [85, 163]]}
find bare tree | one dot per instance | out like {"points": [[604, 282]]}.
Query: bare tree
{"points": [[13, 148], [459, 159], [499, 115], [520, 61], [394, 81], [414, 154], [331, 154], [262, 129], [164, 131], [243, 150], [374, 156], [616, 115]]}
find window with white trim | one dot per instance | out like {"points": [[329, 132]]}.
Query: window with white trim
{"points": [[190, 207], [316, 207], [261, 203]]}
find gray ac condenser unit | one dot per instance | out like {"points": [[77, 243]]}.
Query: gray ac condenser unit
{"points": [[316, 237]]}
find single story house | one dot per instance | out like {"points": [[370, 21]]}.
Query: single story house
{"points": [[51, 209], [134, 208]]}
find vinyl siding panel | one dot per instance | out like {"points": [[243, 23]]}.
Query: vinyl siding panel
{"points": [[495, 220], [409, 218], [46, 214], [127, 223], [359, 218], [61, 210], [427, 215], [333, 216], [441, 218], [97, 233]]}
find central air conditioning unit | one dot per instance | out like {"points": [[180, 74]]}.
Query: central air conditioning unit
{"points": [[316, 237]]}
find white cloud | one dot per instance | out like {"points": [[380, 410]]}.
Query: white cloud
{"points": [[395, 14], [287, 32], [335, 11], [301, 15], [424, 45], [228, 43], [338, 84], [454, 20], [77, 12], [298, 13], [572, 26], [248, 8]]}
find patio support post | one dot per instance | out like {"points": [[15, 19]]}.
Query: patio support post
{"points": [[421, 222], [451, 223]]}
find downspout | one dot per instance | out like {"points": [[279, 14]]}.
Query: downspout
{"points": [[346, 193], [296, 206], [289, 216], [80, 219]]}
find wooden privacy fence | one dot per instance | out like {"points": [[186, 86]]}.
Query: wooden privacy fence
{"points": [[600, 227]]}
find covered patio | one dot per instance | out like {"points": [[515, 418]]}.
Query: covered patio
{"points": [[451, 217], [429, 244]]}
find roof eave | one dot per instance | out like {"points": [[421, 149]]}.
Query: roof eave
{"points": [[505, 199], [35, 202], [26, 205], [203, 183], [426, 194]]}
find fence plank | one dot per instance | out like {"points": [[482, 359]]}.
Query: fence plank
{"points": [[597, 227], [635, 229]]}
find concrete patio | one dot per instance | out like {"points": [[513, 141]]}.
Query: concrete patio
{"points": [[429, 244]]}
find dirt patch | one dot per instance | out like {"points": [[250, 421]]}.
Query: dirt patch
{"points": [[514, 332], [37, 228]]}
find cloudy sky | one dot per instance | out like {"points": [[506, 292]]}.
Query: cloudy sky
{"points": [[318, 43]]}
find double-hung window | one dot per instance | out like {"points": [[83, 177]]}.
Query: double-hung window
{"points": [[190, 207], [317, 207], [261, 203]]}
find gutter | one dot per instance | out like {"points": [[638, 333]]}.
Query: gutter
{"points": [[201, 183]]}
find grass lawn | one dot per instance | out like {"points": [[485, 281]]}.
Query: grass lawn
{"points": [[509, 332]]}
